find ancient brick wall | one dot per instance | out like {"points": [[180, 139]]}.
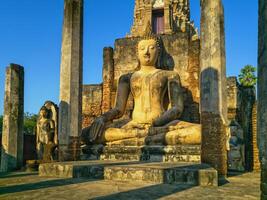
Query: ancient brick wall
{"points": [[240, 101], [233, 98], [256, 161], [210, 139], [245, 119], [108, 77], [92, 102]]}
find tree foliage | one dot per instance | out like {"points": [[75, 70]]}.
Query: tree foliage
{"points": [[30, 121], [247, 78]]}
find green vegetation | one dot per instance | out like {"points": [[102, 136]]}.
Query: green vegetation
{"points": [[247, 78], [30, 121]]}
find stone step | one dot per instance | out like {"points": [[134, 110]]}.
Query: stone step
{"points": [[77, 169], [146, 172], [164, 173], [178, 153]]}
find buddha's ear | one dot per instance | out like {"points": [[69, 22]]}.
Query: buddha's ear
{"points": [[160, 63], [138, 67]]}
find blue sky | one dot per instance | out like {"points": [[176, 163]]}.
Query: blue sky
{"points": [[31, 30]]}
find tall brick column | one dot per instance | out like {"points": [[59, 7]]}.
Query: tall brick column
{"points": [[70, 107], [213, 85], [256, 161], [12, 136], [167, 17], [108, 78], [262, 95]]}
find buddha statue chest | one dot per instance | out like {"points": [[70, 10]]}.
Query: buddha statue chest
{"points": [[148, 90]]}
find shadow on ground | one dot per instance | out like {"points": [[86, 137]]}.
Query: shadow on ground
{"points": [[149, 192], [15, 175], [41, 185]]}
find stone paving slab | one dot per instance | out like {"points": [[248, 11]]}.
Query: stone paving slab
{"points": [[23, 186]]}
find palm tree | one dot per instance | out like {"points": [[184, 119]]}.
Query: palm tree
{"points": [[247, 78]]}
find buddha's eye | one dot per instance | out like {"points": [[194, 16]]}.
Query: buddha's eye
{"points": [[142, 48], [152, 47]]}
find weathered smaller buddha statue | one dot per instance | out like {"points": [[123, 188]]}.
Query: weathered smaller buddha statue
{"points": [[46, 135], [158, 105], [236, 153]]}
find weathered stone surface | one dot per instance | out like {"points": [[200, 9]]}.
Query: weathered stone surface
{"points": [[233, 98], [176, 17], [157, 172], [236, 152], [213, 85], [30, 186], [47, 132], [171, 173], [92, 103], [248, 97], [213, 150], [256, 161], [76, 169], [179, 153], [70, 107], [32, 165], [12, 136], [240, 102], [108, 79], [262, 92]]}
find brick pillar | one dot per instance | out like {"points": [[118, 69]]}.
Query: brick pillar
{"points": [[70, 107], [148, 16], [167, 17], [213, 85], [256, 162], [12, 136], [108, 79], [262, 95]]}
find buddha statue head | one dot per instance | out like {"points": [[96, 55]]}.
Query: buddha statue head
{"points": [[44, 112], [149, 49], [148, 52]]}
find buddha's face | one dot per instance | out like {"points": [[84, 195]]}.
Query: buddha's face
{"points": [[43, 113], [148, 52]]}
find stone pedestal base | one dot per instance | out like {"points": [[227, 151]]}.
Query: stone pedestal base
{"points": [[179, 153], [75, 169], [70, 152], [144, 172], [164, 173], [32, 165]]}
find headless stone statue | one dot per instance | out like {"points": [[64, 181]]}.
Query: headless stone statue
{"points": [[236, 153], [46, 137], [158, 104]]}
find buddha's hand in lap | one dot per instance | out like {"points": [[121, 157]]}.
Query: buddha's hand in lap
{"points": [[136, 125], [97, 129]]}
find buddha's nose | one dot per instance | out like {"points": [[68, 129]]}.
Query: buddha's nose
{"points": [[147, 52]]}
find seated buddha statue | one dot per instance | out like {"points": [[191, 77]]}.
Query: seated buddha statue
{"points": [[158, 105]]}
